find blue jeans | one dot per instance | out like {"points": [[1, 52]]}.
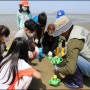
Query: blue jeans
{"points": [[84, 65]]}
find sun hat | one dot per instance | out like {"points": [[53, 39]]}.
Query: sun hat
{"points": [[24, 2], [62, 24], [60, 13]]}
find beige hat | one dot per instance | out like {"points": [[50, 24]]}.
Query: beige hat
{"points": [[62, 24]]}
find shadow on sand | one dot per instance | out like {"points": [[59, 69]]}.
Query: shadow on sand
{"points": [[37, 84], [87, 81]]}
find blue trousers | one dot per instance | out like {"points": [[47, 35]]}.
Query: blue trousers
{"points": [[84, 65]]}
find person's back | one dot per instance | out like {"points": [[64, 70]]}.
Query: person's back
{"points": [[42, 20], [15, 71]]}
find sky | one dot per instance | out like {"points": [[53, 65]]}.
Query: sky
{"points": [[72, 7]]}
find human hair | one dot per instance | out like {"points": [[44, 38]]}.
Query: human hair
{"points": [[21, 10], [4, 31], [42, 19], [30, 25], [51, 27], [18, 50]]}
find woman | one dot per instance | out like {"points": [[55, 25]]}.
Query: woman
{"points": [[15, 71]]}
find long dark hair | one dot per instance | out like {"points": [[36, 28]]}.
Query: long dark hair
{"points": [[18, 50], [3, 31], [21, 10], [42, 19]]}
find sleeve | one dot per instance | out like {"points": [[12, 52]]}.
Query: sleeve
{"points": [[73, 48], [55, 44], [30, 16], [45, 43], [18, 20]]}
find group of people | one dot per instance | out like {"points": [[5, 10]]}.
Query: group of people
{"points": [[15, 69], [41, 39]]}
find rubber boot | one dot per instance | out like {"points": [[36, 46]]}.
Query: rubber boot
{"points": [[77, 81]]}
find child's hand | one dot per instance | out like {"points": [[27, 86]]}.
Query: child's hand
{"points": [[37, 50], [50, 53]]}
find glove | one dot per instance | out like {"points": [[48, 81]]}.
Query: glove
{"points": [[50, 53], [30, 54], [36, 41], [37, 50], [55, 67]]}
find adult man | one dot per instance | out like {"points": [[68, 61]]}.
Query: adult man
{"points": [[78, 51]]}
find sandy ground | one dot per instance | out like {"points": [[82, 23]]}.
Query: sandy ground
{"points": [[46, 69]]}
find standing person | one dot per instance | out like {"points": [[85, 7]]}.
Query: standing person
{"points": [[49, 42], [28, 34], [59, 14], [15, 71], [77, 60], [23, 14], [4, 37]]}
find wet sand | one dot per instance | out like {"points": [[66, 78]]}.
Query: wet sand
{"points": [[45, 66], [46, 69]]}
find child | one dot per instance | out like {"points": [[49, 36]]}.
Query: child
{"points": [[49, 42], [28, 34], [23, 14], [4, 33], [42, 19], [15, 71]]}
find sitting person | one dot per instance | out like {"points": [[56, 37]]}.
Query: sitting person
{"points": [[42, 19], [77, 60], [35, 18], [4, 37], [15, 71], [28, 34], [49, 42], [60, 13]]}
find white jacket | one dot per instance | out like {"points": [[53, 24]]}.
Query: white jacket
{"points": [[23, 83]]}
